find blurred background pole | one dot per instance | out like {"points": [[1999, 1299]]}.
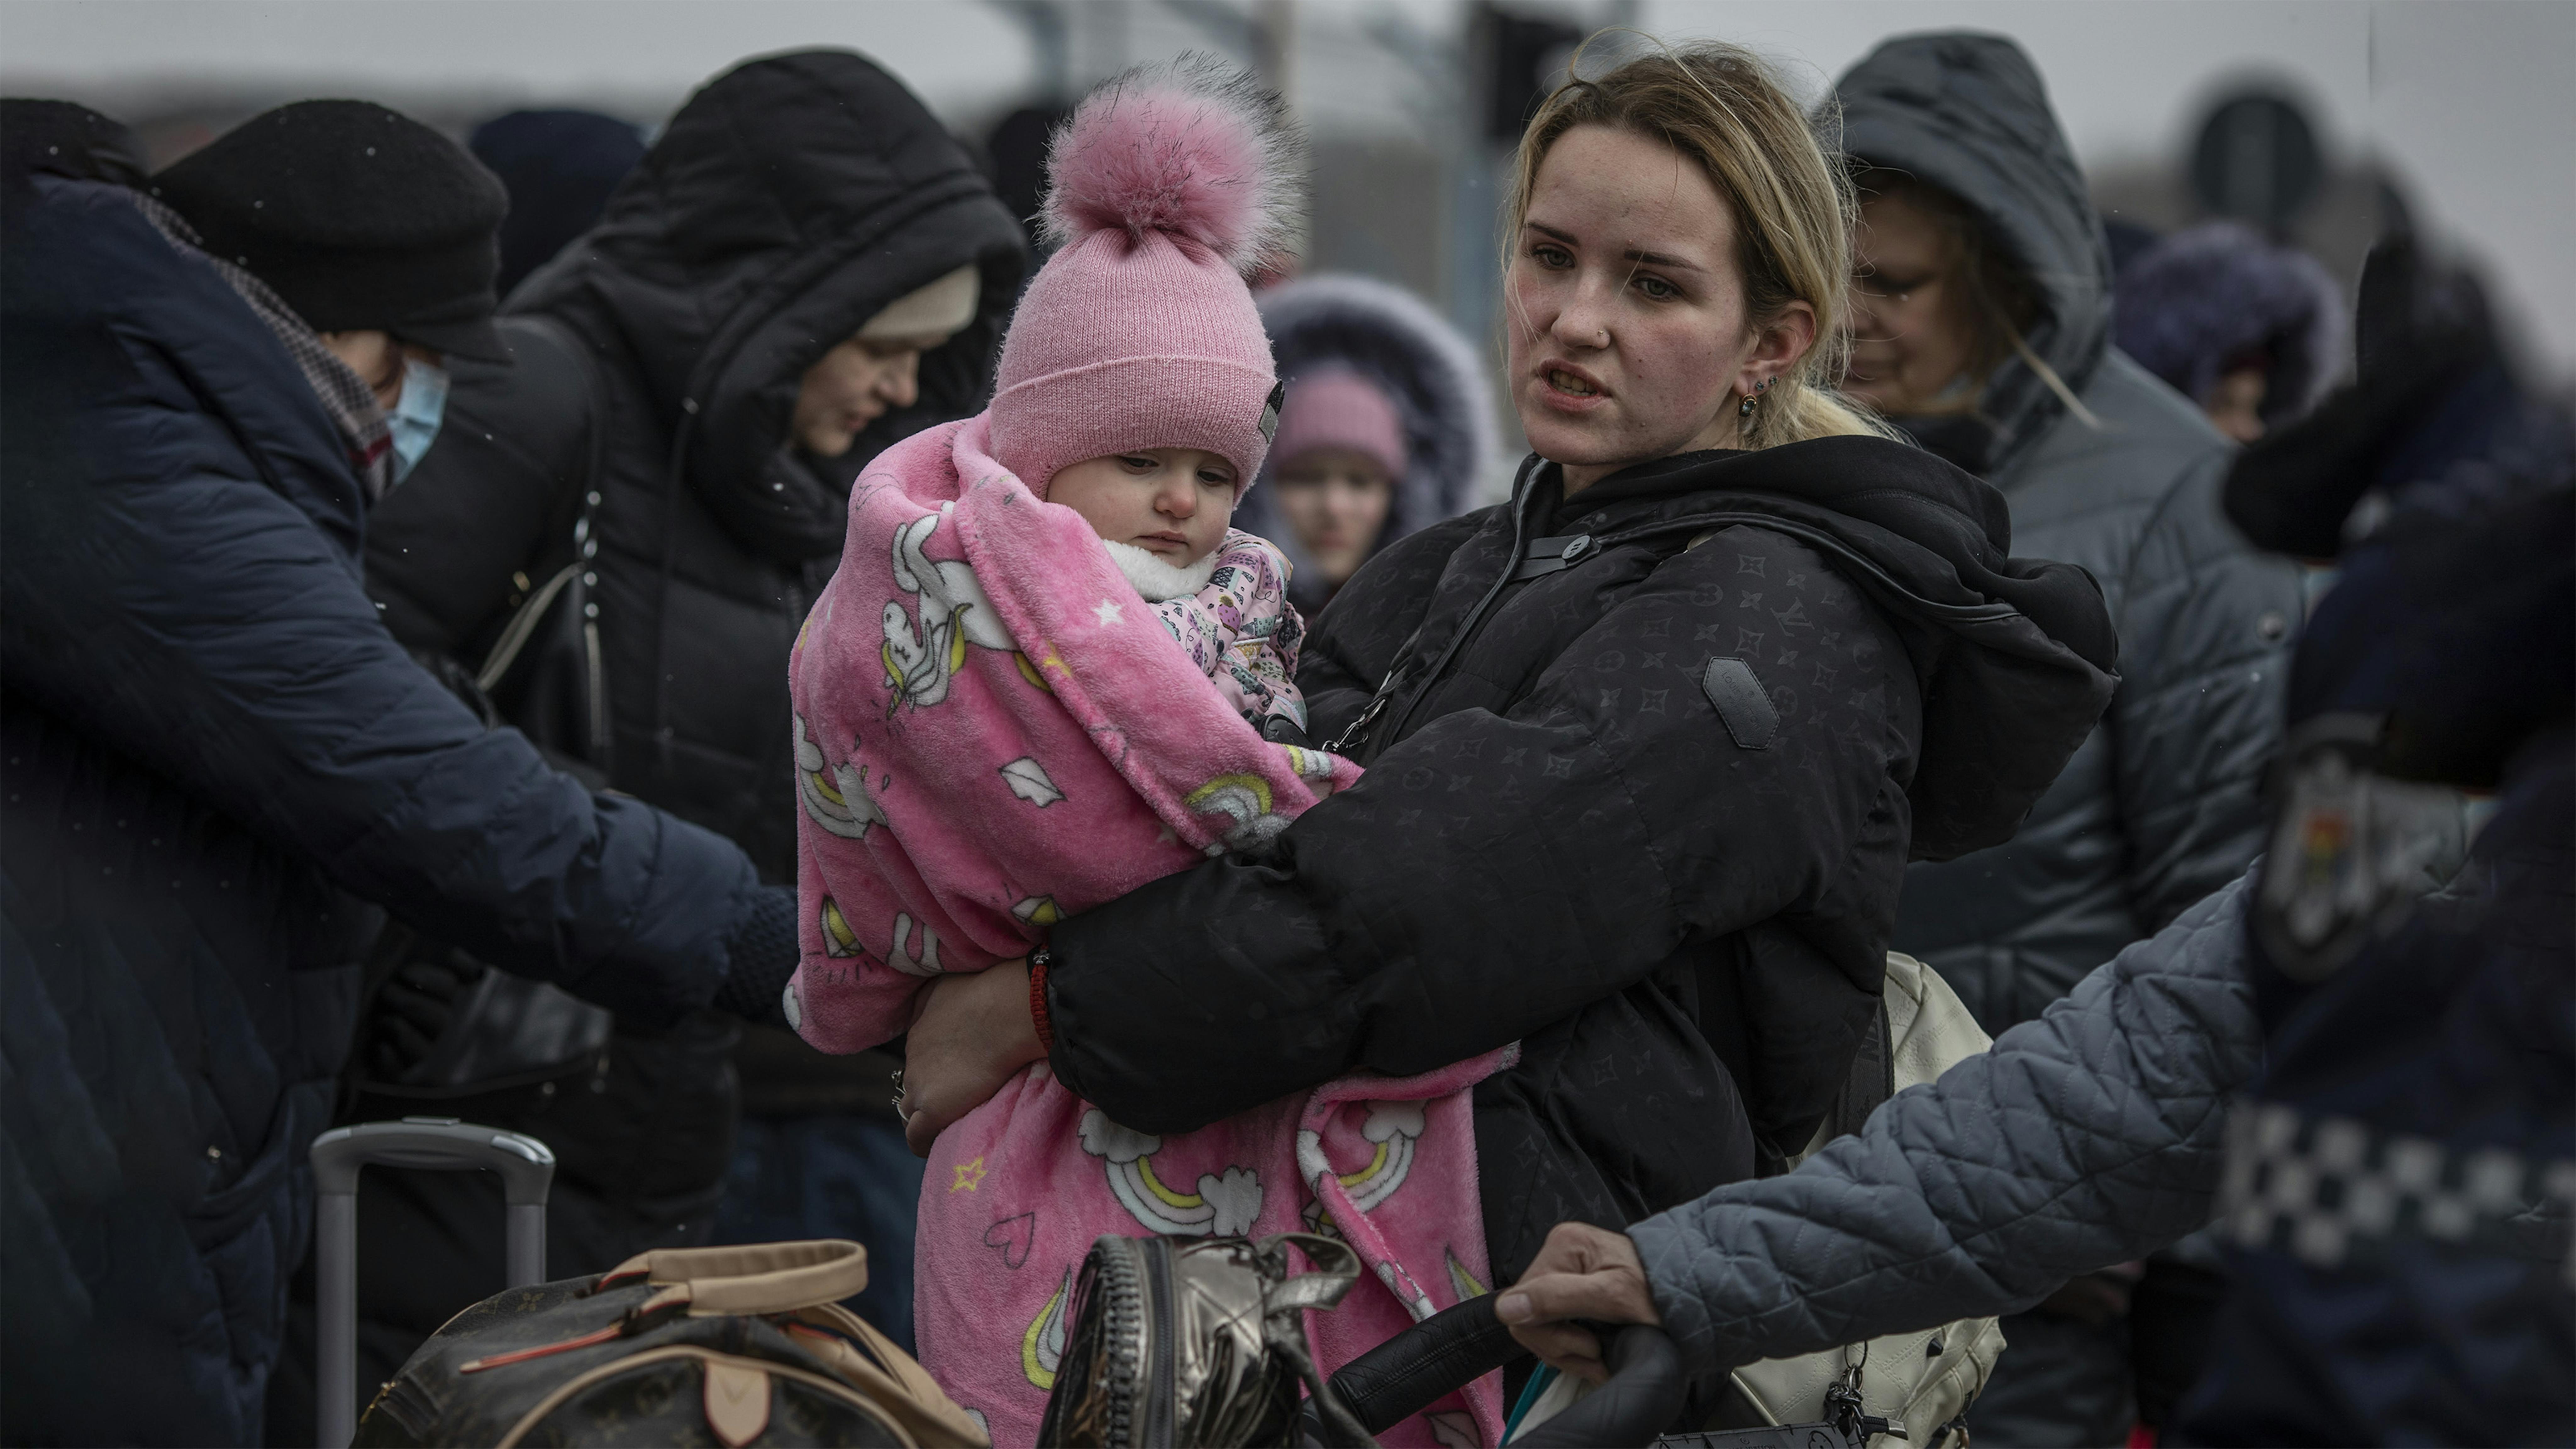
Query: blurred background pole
{"points": [[1274, 28]]}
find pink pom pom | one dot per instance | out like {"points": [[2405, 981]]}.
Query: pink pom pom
{"points": [[1196, 150]]}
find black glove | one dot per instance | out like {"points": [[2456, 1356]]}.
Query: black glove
{"points": [[759, 957], [413, 1009]]}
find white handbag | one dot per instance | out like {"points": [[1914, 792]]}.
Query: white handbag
{"points": [[1920, 1382]]}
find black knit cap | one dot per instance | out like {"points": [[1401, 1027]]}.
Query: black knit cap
{"points": [[359, 217]]}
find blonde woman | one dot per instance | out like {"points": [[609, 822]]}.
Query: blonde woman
{"points": [[1648, 746]]}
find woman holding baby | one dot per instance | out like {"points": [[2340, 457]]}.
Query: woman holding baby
{"points": [[1643, 752]]}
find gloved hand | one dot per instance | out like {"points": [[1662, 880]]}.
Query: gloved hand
{"points": [[760, 956], [413, 1009]]}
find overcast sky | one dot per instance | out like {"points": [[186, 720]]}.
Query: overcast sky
{"points": [[2470, 102]]}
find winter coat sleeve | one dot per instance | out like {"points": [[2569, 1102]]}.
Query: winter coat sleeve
{"points": [[1500, 868], [2205, 631], [1252, 634], [182, 583], [2088, 1137]]}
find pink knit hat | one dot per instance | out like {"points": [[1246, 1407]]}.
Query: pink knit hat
{"points": [[1337, 408], [1167, 183]]}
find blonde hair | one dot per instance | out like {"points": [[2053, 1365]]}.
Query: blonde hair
{"points": [[1722, 106]]}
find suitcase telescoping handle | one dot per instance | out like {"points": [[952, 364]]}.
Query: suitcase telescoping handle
{"points": [[527, 1169]]}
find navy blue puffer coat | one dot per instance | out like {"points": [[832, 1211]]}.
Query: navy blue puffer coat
{"points": [[215, 755]]}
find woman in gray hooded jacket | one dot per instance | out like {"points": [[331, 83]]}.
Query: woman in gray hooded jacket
{"points": [[1983, 327]]}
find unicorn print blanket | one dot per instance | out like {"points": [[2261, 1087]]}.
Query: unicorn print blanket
{"points": [[995, 731]]}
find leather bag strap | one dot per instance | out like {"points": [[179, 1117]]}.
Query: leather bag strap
{"points": [[758, 1278]]}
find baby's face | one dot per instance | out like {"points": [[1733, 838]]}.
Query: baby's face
{"points": [[1172, 502]]}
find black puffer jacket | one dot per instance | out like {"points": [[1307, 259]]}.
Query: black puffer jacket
{"points": [[1679, 907], [790, 199], [2161, 806], [787, 202]]}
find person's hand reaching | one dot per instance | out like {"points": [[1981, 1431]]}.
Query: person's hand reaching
{"points": [[1583, 1274], [973, 1035]]}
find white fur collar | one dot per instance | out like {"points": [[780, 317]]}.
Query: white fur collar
{"points": [[1156, 580]]}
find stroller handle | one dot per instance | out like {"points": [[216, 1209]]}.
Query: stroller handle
{"points": [[1640, 1400], [1409, 1372], [1450, 1349]]}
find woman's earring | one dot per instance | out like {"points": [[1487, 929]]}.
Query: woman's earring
{"points": [[1759, 388]]}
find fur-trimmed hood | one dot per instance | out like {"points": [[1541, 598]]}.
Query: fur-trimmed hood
{"points": [[1441, 394], [2199, 297]]}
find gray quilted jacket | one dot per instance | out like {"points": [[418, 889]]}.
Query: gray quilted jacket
{"points": [[2163, 804], [2091, 1136]]}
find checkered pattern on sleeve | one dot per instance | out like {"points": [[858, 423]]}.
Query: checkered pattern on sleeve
{"points": [[2329, 1190]]}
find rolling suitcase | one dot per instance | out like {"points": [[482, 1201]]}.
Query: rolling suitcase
{"points": [[737, 1346], [527, 1170]]}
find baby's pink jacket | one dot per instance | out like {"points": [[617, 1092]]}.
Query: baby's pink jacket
{"points": [[993, 732]]}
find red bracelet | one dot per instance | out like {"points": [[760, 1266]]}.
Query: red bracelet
{"points": [[1039, 961]]}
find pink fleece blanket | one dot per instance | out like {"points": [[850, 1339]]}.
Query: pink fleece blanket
{"points": [[993, 732]]}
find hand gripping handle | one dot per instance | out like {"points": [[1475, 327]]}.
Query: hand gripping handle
{"points": [[527, 1169], [1450, 1349]]}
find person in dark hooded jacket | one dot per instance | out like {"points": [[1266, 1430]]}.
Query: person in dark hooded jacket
{"points": [[1647, 747], [1983, 328], [786, 205], [803, 269], [1387, 427], [221, 774]]}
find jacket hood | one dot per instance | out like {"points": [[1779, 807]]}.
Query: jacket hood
{"points": [[1969, 114], [787, 202], [2016, 656], [1387, 335]]}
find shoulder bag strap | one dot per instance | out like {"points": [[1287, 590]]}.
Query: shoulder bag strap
{"points": [[577, 577]]}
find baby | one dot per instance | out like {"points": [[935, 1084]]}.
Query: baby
{"points": [[1223, 593], [1046, 673]]}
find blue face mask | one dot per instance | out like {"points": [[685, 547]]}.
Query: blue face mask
{"points": [[414, 420]]}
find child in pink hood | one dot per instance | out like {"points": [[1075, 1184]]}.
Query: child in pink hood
{"points": [[1046, 673]]}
